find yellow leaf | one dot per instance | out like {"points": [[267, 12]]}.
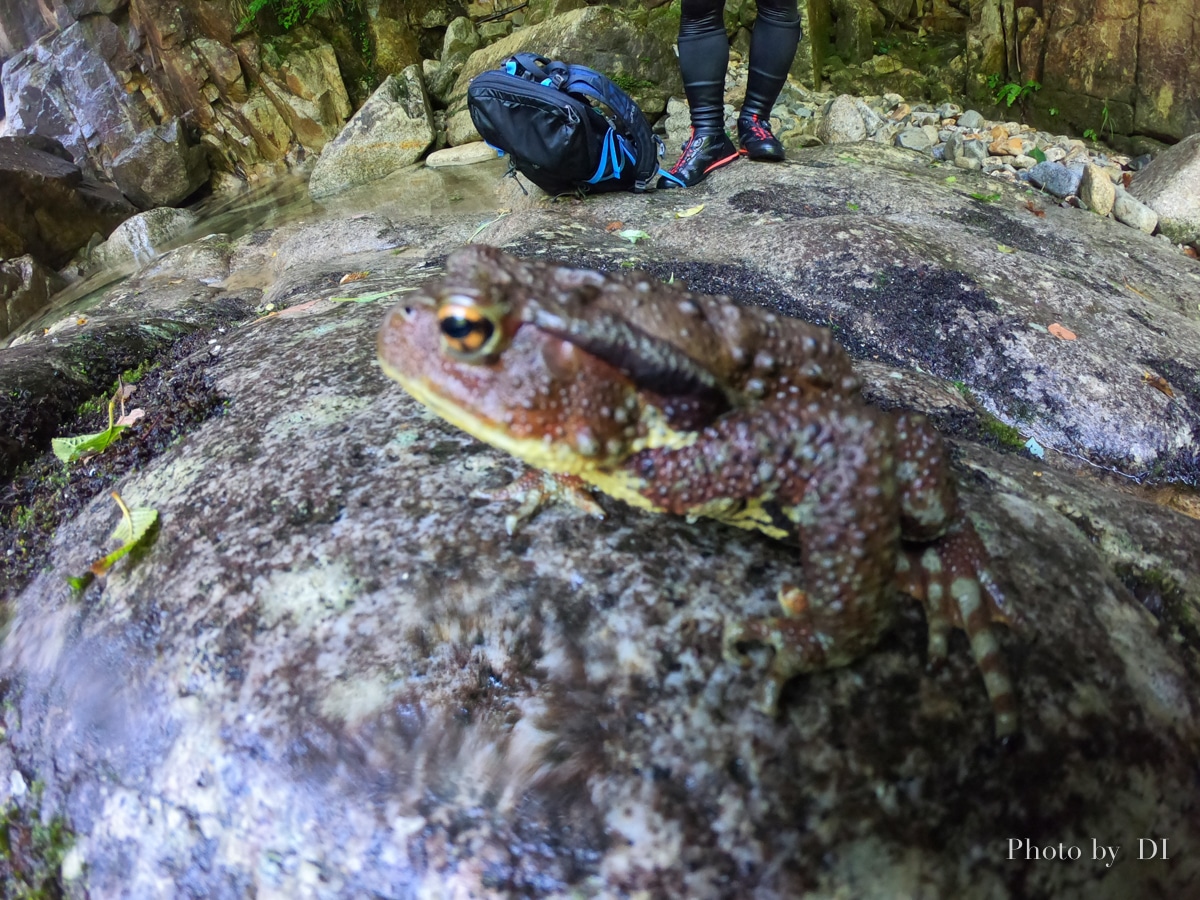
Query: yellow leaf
{"points": [[689, 212]]}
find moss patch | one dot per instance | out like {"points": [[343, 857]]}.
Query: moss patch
{"points": [[176, 393], [32, 849]]}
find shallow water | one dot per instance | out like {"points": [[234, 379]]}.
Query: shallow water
{"points": [[408, 195]]}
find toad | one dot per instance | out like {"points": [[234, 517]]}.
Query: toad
{"points": [[677, 402]]}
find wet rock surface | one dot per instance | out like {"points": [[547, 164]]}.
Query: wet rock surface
{"points": [[332, 673]]}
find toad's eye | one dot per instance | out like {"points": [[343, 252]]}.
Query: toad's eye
{"points": [[469, 333]]}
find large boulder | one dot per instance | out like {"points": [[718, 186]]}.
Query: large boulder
{"points": [[48, 208], [1170, 186], [76, 86], [300, 74], [393, 129], [601, 38], [25, 288]]}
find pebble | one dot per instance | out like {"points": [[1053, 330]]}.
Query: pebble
{"points": [[1134, 213], [1055, 178], [1096, 189]]}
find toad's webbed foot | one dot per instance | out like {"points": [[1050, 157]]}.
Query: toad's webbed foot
{"points": [[951, 579], [535, 489]]}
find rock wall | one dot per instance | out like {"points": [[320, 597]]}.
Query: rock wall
{"points": [[1120, 67], [156, 96]]}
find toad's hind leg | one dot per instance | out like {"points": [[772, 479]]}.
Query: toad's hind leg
{"points": [[846, 511], [944, 564]]}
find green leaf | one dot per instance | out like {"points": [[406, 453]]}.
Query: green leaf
{"points": [[135, 524], [633, 235], [851, 205], [987, 198], [950, 179], [1037, 154], [70, 449], [1004, 248]]}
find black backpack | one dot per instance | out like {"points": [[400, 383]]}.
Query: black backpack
{"points": [[542, 114]]}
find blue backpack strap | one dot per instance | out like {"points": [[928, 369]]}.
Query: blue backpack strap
{"points": [[528, 65], [590, 83]]}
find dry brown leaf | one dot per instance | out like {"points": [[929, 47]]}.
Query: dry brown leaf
{"points": [[1159, 383], [353, 276], [81, 321], [1192, 252], [614, 226], [130, 417], [1136, 291], [1060, 332], [1035, 209]]}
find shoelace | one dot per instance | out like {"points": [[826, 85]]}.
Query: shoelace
{"points": [[684, 157], [759, 131]]}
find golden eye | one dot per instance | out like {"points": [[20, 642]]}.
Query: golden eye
{"points": [[469, 333]]}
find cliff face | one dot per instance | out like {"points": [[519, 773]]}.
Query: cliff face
{"points": [[1113, 66], [159, 96]]}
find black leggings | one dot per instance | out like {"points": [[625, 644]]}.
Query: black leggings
{"points": [[704, 57]]}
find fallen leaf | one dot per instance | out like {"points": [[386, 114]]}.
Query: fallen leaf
{"points": [[1138, 292], [130, 417], [1126, 179], [1192, 252], [353, 276], [851, 205], [1157, 381], [81, 321], [69, 449], [1035, 209], [1036, 327], [633, 235], [133, 527], [689, 212], [1004, 248], [1060, 332], [176, 281], [986, 198], [951, 179], [614, 226]]}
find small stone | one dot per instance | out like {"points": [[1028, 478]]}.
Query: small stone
{"points": [[1023, 162], [964, 162], [1132, 212], [462, 155], [949, 110], [1055, 178], [999, 133], [914, 139], [971, 120], [1097, 191], [1054, 154], [975, 149], [931, 132], [842, 124]]}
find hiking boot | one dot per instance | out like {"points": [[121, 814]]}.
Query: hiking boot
{"points": [[754, 134], [701, 154]]}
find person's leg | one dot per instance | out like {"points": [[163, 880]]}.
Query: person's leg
{"points": [[772, 48], [703, 59]]}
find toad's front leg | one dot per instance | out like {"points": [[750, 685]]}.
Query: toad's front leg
{"points": [[846, 511]]}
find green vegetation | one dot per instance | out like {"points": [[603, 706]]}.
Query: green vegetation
{"points": [[288, 13], [32, 851], [1005, 435], [1010, 92], [630, 84]]}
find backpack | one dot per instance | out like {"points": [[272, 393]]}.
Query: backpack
{"points": [[544, 116]]}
